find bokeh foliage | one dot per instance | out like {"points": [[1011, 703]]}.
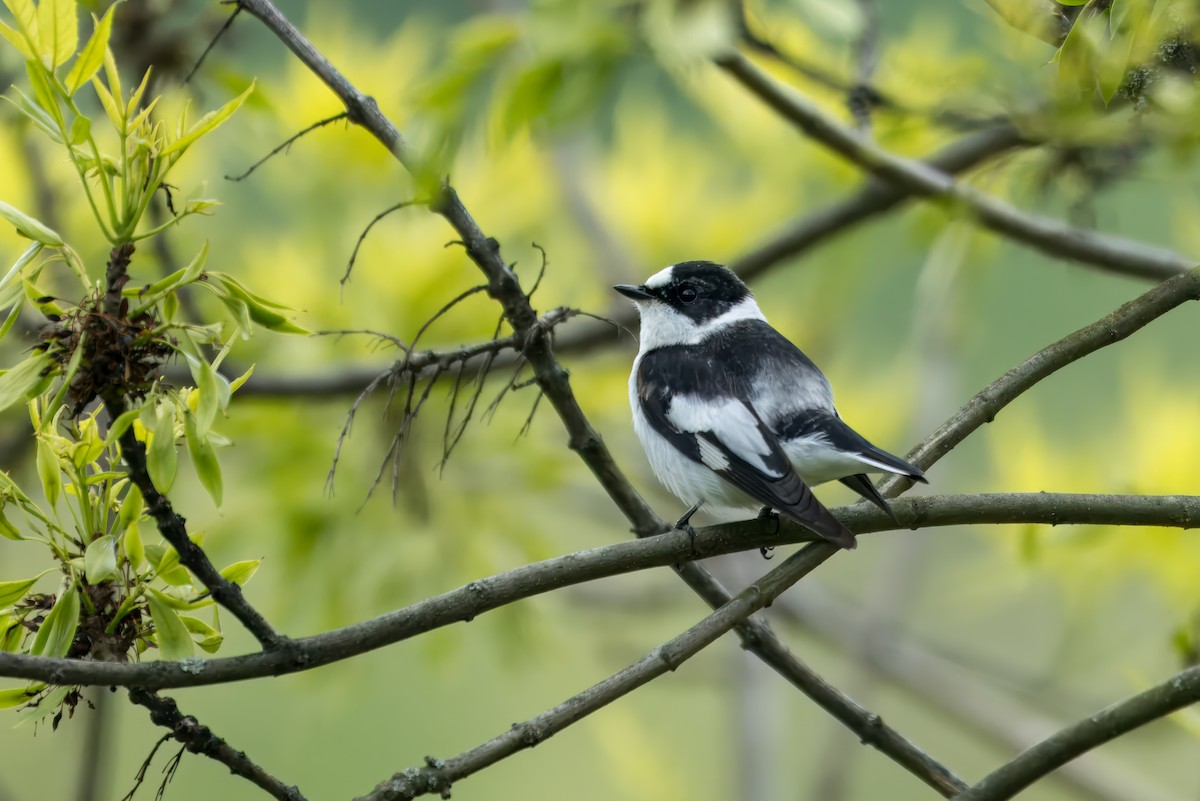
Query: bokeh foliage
{"points": [[599, 132]]}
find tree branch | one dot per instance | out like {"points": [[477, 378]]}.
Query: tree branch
{"points": [[471, 600], [437, 776], [199, 739], [1181, 690], [1115, 254]]}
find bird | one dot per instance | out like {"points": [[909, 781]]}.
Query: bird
{"points": [[731, 414]]}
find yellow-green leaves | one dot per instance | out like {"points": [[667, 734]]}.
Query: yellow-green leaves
{"points": [[204, 460], [57, 631], [91, 58], [24, 380], [161, 459], [174, 641], [100, 559], [13, 591], [207, 124], [28, 227], [241, 572], [247, 307], [58, 30]]}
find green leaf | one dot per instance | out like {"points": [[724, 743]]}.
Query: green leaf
{"points": [[209, 638], [131, 508], [121, 425], [26, 15], [36, 114], [236, 383], [28, 227], [29, 255], [262, 311], [23, 381], [13, 591], [19, 695], [174, 642], [204, 459], [111, 105], [100, 559], [16, 40], [161, 459], [49, 471], [240, 572], [207, 124], [58, 629], [135, 551], [91, 58], [7, 529], [209, 393], [58, 29], [81, 129]]}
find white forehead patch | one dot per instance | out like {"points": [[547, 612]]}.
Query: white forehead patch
{"points": [[660, 278]]}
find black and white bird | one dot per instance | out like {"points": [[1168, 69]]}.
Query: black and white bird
{"points": [[731, 414]]}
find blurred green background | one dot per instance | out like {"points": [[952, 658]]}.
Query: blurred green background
{"points": [[640, 154]]}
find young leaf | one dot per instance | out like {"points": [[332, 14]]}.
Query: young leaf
{"points": [[207, 124], [81, 129], [204, 459], [58, 29], [26, 15], [16, 40], [58, 629], [161, 459], [174, 642], [36, 114], [121, 425], [240, 572], [22, 381], [209, 638], [135, 552], [28, 227], [91, 58], [13, 591], [236, 383], [100, 559], [131, 508], [48, 470], [111, 105], [19, 695], [22, 261], [7, 529], [262, 311], [209, 393]]}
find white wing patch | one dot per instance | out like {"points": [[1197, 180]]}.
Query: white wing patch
{"points": [[730, 422]]}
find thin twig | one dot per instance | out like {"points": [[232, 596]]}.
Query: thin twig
{"points": [[199, 739], [285, 145], [469, 601], [1181, 690], [140, 777], [213, 43]]}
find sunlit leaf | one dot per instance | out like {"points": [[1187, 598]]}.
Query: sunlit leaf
{"points": [[135, 551], [28, 227], [57, 631], [58, 29], [207, 124], [209, 639], [81, 129], [241, 572], [18, 695], [236, 383], [91, 58], [16, 40]]}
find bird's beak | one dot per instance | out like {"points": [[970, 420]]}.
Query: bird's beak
{"points": [[634, 293]]}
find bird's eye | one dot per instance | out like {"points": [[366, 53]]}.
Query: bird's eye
{"points": [[688, 294]]}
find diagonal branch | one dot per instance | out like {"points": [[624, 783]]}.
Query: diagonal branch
{"points": [[1181, 690], [1112, 253], [471, 600], [199, 739]]}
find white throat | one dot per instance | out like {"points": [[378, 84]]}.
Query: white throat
{"points": [[663, 326]]}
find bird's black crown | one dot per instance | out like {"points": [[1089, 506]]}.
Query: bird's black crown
{"points": [[701, 290]]}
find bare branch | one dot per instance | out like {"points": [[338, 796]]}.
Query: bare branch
{"points": [[1108, 330], [1112, 253], [199, 739], [285, 145], [470, 601], [437, 776], [1181, 690]]}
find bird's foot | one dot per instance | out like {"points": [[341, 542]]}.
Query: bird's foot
{"points": [[683, 524], [767, 513]]}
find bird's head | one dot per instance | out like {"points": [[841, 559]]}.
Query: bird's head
{"points": [[687, 302]]}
